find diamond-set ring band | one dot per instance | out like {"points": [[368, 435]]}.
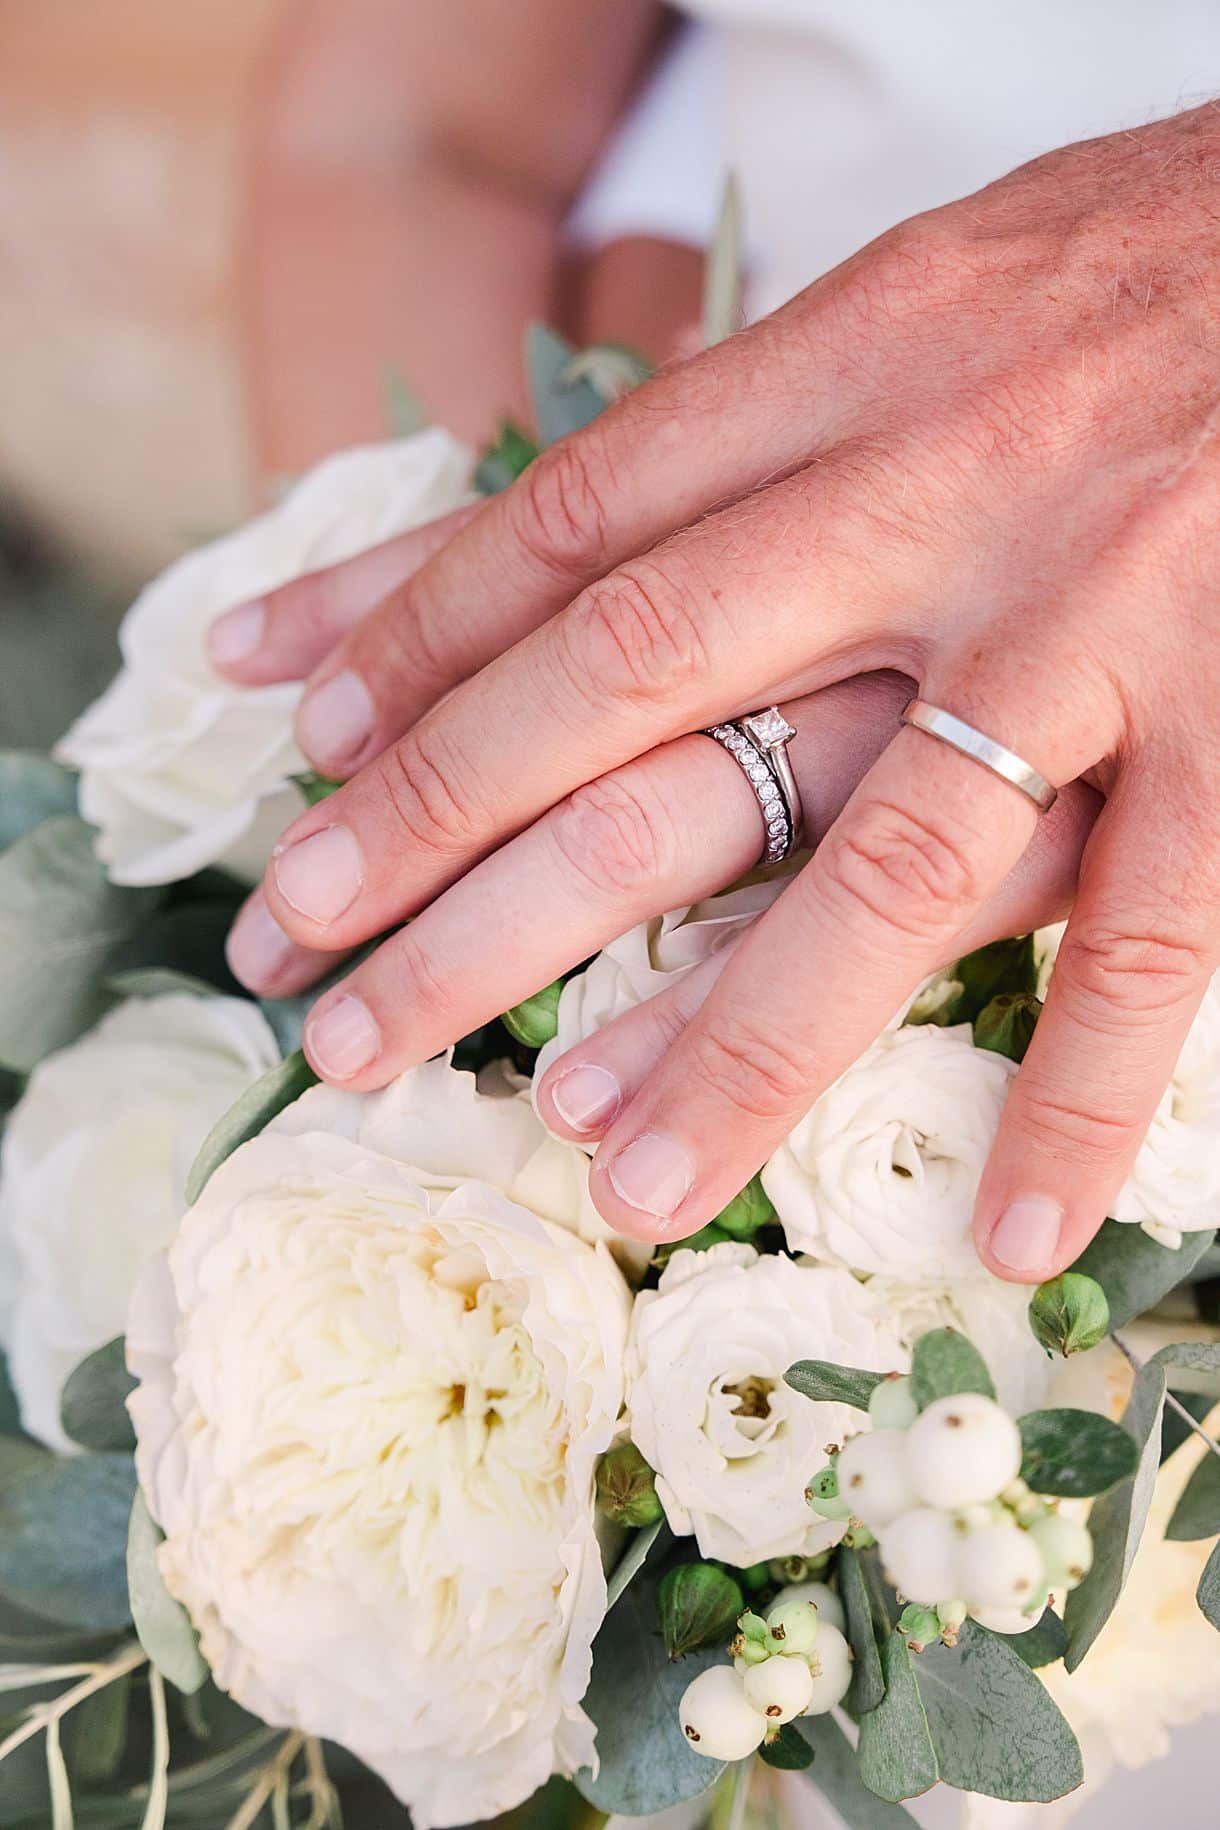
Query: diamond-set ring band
{"points": [[758, 745]]}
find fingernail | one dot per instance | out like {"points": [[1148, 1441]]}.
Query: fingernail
{"points": [[234, 636], [322, 875], [1026, 1236], [258, 948], [586, 1096], [342, 1038], [653, 1174], [336, 720]]}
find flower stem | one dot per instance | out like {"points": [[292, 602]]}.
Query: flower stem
{"points": [[42, 1715], [742, 1775], [264, 1785], [1174, 1403]]}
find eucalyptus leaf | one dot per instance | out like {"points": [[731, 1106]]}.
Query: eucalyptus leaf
{"points": [[162, 1624], [945, 1363], [836, 1775], [1174, 1428], [32, 789], [1044, 1644], [95, 1733], [1197, 1513], [1074, 1454], [505, 460], [827, 1383], [560, 406], [1004, 968], [93, 1403], [632, 1561], [187, 938], [723, 276], [258, 1105], [63, 1540], [789, 1751], [1134, 1271], [867, 1679], [993, 1723], [897, 1758], [61, 923], [1208, 1592]]}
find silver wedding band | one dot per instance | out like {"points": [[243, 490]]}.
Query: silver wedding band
{"points": [[758, 744], [981, 749]]}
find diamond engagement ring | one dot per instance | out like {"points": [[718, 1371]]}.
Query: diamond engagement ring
{"points": [[758, 745], [981, 749]]}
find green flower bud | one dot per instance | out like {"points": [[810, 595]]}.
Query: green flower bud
{"points": [[756, 1577], [536, 1020], [702, 1241], [822, 1494], [785, 1570], [858, 1537], [746, 1212], [747, 1652], [627, 1488], [752, 1626], [951, 1615], [698, 1604], [919, 1626], [1006, 1024], [792, 1626], [1070, 1313]]}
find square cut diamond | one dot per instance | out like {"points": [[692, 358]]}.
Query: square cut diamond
{"points": [[768, 728]]}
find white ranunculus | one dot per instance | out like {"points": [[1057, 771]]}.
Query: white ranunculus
{"points": [[92, 1173], [377, 1370], [179, 769], [881, 1175], [1174, 1187], [733, 1446]]}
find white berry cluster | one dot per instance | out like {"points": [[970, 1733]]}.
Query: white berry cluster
{"points": [[959, 1531], [795, 1662]]}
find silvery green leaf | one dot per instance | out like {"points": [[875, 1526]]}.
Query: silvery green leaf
{"points": [[1044, 1643], [867, 1681], [63, 1539], [258, 1105], [96, 1732], [93, 1403], [836, 1774], [1197, 1513], [32, 789], [897, 1758], [61, 924], [1134, 1271], [1208, 1592], [826, 1383], [1074, 1454], [723, 282], [945, 1363], [632, 1561], [790, 1752], [993, 1723], [560, 406], [161, 1623]]}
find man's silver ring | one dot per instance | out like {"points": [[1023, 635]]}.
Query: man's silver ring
{"points": [[758, 745], [994, 756]]}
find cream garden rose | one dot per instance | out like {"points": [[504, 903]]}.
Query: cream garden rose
{"points": [[1174, 1187], [179, 769], [881, 1175], [732, 1445], [92, 1172], [377, 1370]]}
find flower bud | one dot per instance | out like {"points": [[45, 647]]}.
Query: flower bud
{"points": [[919, 1626], [746, 1212], [822, 1494], [717, 1718], [779, 1689], [535, 1021], [698, 1604], [1006, 1025], [892, 1405], [951, 1615], [756, 1577], [752, 1626], [792, 1626], [1070, 1313], [627, 1488]]}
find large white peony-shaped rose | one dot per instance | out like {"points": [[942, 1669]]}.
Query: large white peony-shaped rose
{"points": [[1174, 1187], [179, 769], [374, 1384], [732, 1445], [92, 1173], [881, 1175]]}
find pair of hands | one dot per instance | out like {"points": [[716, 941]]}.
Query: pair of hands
{"points": [[983, 456]]}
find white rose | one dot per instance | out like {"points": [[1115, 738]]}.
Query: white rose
{"points": [[375, 1385], [179, 769], [1174, 1187], [92, 1173], [733, 1446], [992, 1314], [881, 1175]]}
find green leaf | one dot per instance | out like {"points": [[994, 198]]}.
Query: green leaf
{"points": [[1208, 1592], [560, 406], [258, 1105], [945, 1363], [789, 1751], [897, 1758], [1006, 1024], [827, 1383], [867, 1679], [1197, 1513], [723, 280], [1174, 1428], [632, 1561], [93, 1404], [535, 1021], [61, 921], [1005, 968], [1044, 1644], [316, 788], [1074, 1454], [405, 412], [697, 1605], [836, 1775], [63, 1539], [505, 460], [95, 1733], [746, 1212], [993, 1723], [32, 789], [1134, 1271], [162, 1624], [633, 1696]]}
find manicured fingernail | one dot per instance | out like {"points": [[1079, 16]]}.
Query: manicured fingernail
{"points": [[237, 634], [336, 720], [322, 875], [342, 1038], [653, 1174], [258, 948], [586, 1096], [1026, 1236]]}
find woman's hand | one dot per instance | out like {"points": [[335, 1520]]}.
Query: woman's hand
{"points": [[984, 454]]}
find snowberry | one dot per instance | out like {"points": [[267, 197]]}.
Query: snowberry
{"points": [[873, 1477], [780, 1689], [920, 1552], [717, 1717], [822, 1494], [1000, 1567], [1003, 1620], [792, 1626], [1066, 1548], [892, 1405], [823, 1597], [962, 1451], [830, 1663]]}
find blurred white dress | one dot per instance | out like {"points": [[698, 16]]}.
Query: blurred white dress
{"points": [[842, 117]]}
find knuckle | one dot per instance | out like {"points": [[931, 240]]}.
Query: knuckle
{"points": [[1112, 977], [898, 869], [429, 805], [1066, 1128], [613, 837], [752, 1068], [419, 989], [558, 507], [637, 635]]}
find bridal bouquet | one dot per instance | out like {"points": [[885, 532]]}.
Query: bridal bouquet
{"points": [[348, 1463]]}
